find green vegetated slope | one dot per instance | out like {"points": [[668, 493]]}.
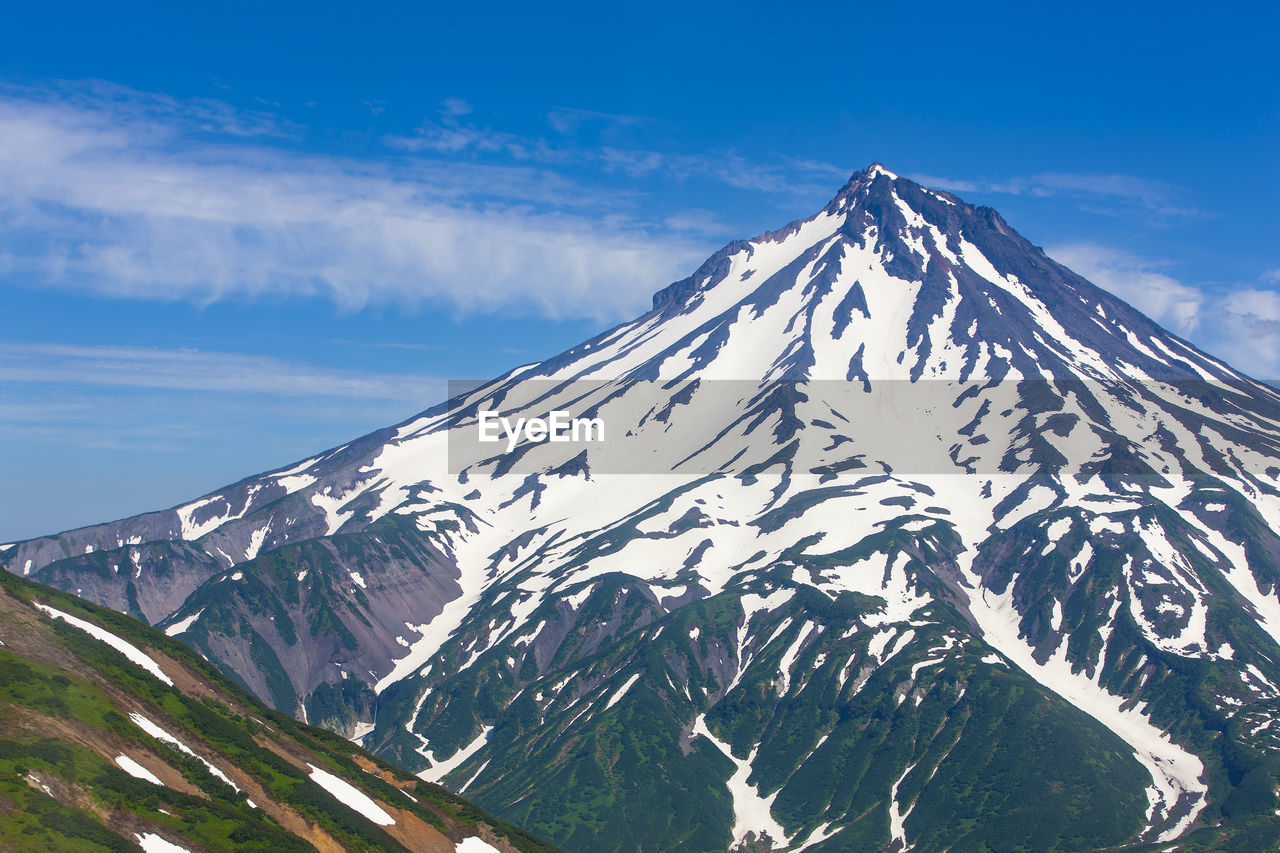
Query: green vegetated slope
{"points": [[90, 756], [858, 737], [1008, 766]]}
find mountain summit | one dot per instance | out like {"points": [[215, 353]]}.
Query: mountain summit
{"points": [[879, 531]]}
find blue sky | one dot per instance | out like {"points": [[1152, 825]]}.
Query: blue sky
{"points": [[233, 236]]}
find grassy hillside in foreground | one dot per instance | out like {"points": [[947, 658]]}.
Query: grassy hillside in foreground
{"points": [[119, 740]]}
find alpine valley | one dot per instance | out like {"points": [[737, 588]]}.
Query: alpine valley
{"points": [[902, 537]]}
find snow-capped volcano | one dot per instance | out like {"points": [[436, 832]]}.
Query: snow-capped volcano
{"points": [[895, 533]]}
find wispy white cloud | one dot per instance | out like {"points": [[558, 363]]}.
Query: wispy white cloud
{"points": [[1240, 325], [783, 176], [1153, 198], [197, 370], [1249, 334], [150, 114], [696, 221], [449, 136], [1144, 284], [569, 120], [954, 185], [135, 196], [455, 107], [1157, 196]]}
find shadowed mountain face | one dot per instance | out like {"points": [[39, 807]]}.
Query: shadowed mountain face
{"points": [[882, 531]]}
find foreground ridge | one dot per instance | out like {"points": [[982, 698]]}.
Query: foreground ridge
{"points": [[113, 737]]}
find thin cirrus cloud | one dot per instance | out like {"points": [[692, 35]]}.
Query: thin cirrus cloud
{"points": [[453, 135], [126, 196], [192, 403], [1131, 193], [196, 370]]}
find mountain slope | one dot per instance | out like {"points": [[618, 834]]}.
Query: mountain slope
{"points": [[113, 737], [901, 534]]}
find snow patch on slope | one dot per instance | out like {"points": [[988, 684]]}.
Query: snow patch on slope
{"points": [[351, 796], [183, 624], [475, 844], [136, 770], [438, 771], [152, 843], [163, 736], [751, 812], [132, 652]]}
